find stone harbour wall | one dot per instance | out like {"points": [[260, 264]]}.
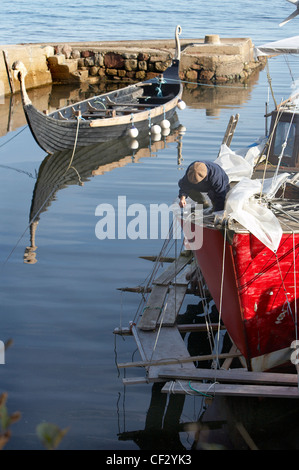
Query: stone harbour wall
{"points": [[72, 65], [208, 60]]}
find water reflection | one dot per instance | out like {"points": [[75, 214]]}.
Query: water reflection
{"points": [[63, 169], [214, 98]]}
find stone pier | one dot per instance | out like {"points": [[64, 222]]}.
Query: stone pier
{"points": [[208, 60]]}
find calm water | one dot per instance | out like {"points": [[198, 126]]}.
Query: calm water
{"points": [[61, 311]]}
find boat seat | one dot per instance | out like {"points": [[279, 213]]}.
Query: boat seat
{"points": [[99, 113]]}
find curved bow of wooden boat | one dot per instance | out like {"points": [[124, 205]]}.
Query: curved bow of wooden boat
{"points": [[178, 31], [20, 71]]}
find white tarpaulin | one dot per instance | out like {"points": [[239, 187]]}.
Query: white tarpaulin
{"points": [[253, 215], [284, 46], [239, 164]]}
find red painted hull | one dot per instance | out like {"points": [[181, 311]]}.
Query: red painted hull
{"points": [[258, 295]]}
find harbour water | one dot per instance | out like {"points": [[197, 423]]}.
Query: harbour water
{"points": [[61, 309]]}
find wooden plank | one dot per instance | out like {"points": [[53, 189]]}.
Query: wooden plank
{"points": [[227, 363], [216, 389], [169, 274], [177, 360], [185, 328], [135, 380], [247, 438], [175, 299], [153, 308], [182, 278], [232, 375], [158, 346]]}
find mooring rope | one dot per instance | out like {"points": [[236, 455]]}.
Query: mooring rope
{"points": [[13, 137]]}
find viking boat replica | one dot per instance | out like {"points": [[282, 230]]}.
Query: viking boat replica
{"points": [[248, 256], [109, 116]]}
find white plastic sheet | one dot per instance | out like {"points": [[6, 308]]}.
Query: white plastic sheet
{"points": [[252, 214], [239, 164]]}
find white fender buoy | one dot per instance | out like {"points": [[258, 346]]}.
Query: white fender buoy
{"points": [[133, 132], [134, 144], [165, 124], [156, 129], [182, 129], [156, 137], [181, 104], [165, 132]]}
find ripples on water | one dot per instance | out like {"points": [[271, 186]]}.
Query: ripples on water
{"points": [[61, 311], [100, 20]]}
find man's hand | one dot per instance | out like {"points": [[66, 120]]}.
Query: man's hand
{"points": [[182, 201]]}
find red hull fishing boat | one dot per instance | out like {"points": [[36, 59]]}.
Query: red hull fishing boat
{"points": [[249, 253]]}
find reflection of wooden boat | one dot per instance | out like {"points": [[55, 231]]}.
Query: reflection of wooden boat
{"points": [[249, 255], [107, 116], [63, 169]]}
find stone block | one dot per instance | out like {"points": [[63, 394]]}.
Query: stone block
{"points": [[111, 72], [76, 54], [66, 50], [161, 66], [89, 61], [142, 65], [101, 72], [93, 71], [191, 75], [48, 51], [131, 74], [99, 60], [140, 75], [131, 64], [113, 60], [228, 66], [206, 75], [87, 54], [56, 60], [122, 73], [143, 56], [157, 58], [130, 55]]}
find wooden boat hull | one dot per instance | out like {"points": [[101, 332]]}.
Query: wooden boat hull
{"points": [[108, 116], [53, 135], [256, 292]]}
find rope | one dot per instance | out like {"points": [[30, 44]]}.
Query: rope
{"points": [[9, 140], [211, 85]]}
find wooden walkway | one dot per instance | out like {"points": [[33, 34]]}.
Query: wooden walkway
{"points": [[165, 357]]}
